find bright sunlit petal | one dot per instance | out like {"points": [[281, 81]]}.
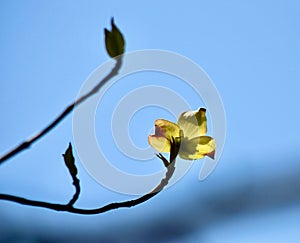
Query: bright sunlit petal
{"points": [[197, 148], [193, 123]]}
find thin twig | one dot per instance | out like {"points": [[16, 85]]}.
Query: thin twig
{"points": [[26, 144], [70, 163], [77, 190]]}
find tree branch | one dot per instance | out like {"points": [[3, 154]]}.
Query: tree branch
{"points": [[26, 144], [126, 204]]}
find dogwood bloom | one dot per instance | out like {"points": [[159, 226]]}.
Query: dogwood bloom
{"points": [[190, 130]]}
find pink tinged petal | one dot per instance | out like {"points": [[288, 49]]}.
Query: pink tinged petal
{"points": [[159, 143], [193, 123], [166, 129], [207, 146], [211, 154]]}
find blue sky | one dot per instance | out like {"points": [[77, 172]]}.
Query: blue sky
{"points": [[250, 49]]}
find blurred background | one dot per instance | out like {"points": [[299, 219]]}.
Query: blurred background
{"points": [[250, 49]]}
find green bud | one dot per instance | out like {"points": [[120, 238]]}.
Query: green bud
{"points": [[114, 40]]}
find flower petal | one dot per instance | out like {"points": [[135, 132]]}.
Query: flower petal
{"points": [[166, 129], [197, 148], [160, 144], [193, 123]]}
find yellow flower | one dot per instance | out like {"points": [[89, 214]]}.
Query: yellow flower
{"points": [[190, 129]]}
